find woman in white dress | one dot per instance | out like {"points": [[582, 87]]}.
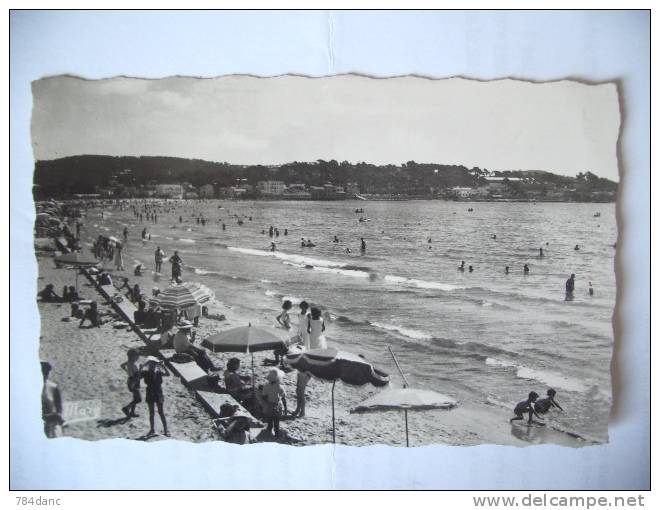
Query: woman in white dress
{"points": [[303, 324], [315, 328]]}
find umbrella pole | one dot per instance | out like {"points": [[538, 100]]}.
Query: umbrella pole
{"points": [[396, 362], [252, 356], [333, 410], [405, 413]]}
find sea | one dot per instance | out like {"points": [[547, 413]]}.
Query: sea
{"points": [[483, 337]]}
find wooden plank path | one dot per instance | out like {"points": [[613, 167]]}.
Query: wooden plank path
{"points": [[190, 374]]}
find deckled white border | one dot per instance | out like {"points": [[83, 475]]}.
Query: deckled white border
{"points": [[538, 46]]}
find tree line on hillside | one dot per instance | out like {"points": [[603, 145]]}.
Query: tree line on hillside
{"points": [[86, 173]]}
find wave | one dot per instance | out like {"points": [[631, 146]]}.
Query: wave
{"points": [[289, 257], [420, 284], [184, 240], [409, 332], [553, 379]]}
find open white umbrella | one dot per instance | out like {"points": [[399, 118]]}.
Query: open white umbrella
{"points": [[406, 399]]}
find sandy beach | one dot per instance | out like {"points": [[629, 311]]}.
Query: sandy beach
{"points": [[86, 366]]}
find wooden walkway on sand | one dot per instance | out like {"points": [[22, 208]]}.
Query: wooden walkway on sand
{"points": [[212, 397]]}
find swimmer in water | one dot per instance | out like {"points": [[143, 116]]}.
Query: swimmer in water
{"points": [[462, 266], [335, 240], [348, 250], [363, 245], [591, 290], [429, 240], [470, 269], [526, 407], [544, 405], [493, 236], [577, 247], [540, 252], [526, 269], [506, 270], [272, 247]]}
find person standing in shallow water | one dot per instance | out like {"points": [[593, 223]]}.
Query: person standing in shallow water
{"points": [[158, 257], [525, 269], [152, 372], [570, 288], [176, 262], [363, 245]]}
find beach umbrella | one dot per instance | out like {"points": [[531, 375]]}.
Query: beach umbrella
{"points": [[406, 399], [183, 295], [247, 339], [77, 260], [334, 365]]}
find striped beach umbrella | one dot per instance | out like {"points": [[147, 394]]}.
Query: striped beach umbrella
{"points": [[184, 295]]}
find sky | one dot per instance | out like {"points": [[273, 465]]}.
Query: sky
{"points": [[564, 127]]}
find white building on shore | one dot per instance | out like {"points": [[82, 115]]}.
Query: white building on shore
{"points": [[271, 187]]}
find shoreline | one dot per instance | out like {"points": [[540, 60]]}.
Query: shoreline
{"points": [[465, 425]]}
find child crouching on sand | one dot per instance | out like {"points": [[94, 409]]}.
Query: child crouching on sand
{"points": [[133, 382]]}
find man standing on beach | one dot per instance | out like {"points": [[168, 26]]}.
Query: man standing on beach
{"points": [[176, 262], [51, 404], [158, 257]]}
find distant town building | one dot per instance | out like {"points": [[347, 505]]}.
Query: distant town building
{"points": [[169, 191], [327, 192], [352, 188], [206, 191], [271, 187], [460, 192]]}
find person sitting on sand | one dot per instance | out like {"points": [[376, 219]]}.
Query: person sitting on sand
{"points": [[72, 295], [140, 315], [51, 404], [183, 343], [135, 294], [48, 295], [315, 328], [104, 279], [544, 405], [526, 407], [238, 430], [234, 382], [153, 372], [137, 270], [270, 395], [93, 315], [133, 382]]}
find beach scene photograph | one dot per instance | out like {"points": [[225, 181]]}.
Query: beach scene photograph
{"points": [[351, 260]]}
